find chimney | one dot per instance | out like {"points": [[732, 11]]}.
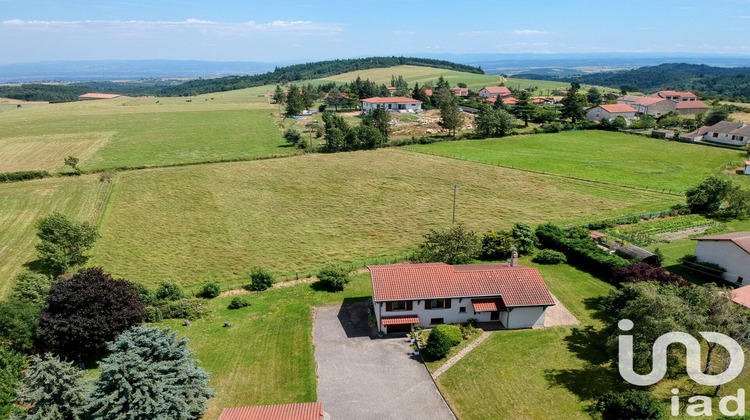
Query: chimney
{"points": [[743, 125], [514, 259]]}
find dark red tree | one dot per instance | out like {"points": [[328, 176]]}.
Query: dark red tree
{"points": [[88, 310], [641, 271]]}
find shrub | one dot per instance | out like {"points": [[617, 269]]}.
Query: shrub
{"points": [[31, 287], [582, 251], [496, 245], [524, 237], [641, 271], [452, 332], [181, 309], [148, 297], [238, 302], [169, 291], [292, 136], [629, 405], [260, 280], [473, 322], [22, 176], [438, 345], [549, 256], [455, 245], [210, 290], [333, 277]]}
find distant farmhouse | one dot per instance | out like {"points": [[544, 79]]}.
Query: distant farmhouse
{"points": [[663, 102], [726, 132], [89, 96], [459, 91], [494, 92], [610, 112], [391, 104], [508, 295]]}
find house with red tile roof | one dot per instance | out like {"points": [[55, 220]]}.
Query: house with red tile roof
{"points": [[731, 251], [654, 106], [676, 96], [508, 100], [391, 104], [301, 411], [459, 91], [691, 107], [405, 295], [494, 92], [610, 111]]}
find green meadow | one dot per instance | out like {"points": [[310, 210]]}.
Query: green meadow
{"points": [[616, 158]]}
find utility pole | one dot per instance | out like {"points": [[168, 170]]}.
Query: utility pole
{"points": [[455, 191]]}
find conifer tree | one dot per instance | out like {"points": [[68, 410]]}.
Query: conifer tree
{"points": [[53, 389]]}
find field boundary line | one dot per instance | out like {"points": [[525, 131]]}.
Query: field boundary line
{"points": [[664, 191]]}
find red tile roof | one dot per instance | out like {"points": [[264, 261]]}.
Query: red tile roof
{"points": [[741, 295], [642, 100], [427, 92], [458, 91], [617, 108], [676, 93], [393, 100], [392, 88], [301, 411], [485, 305], [691, 105], [518, 286], [498, 90], [747, 163], [597, 235], [399, 320], [741, 239], [99, 96], [506, 101]]}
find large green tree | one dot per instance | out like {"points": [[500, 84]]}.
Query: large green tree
{"points": [[295, 103], [573, 104], [494, 122], [12, 365], [451, 118], [717, 114], [87, 310], [523, 108], [150, 373], [709, 195], [63, 241], [455, 245], [53, 390], [380, 120], [594, 96]]}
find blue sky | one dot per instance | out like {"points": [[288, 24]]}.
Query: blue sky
{"points": [[270, 30]]}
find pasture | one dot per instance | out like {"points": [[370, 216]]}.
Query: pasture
{"points": [[617, 158], [22, 203], [140, 132], [192, 224], [417, 74]]}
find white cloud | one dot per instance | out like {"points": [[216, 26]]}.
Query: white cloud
{"points": [[529, 32]]}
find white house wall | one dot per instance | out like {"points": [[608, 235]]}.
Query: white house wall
{"points": [[525, 317], [728, 255], [726, 138]]}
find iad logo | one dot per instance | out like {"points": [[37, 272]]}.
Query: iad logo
{"points": [[692, 361]]}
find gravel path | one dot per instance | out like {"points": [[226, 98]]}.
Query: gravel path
{"points": [[559, 315]]}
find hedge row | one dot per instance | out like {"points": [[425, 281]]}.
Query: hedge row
{"points": [[22, 176], [580, 251]]}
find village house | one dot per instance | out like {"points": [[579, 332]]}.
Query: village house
{"points": [[391, 104], [508, 100], [725, 132], [647, 105], [675, 95], [459, 91], [610, 112], [299, 411], [494, 92], [730, 250], [691, 107], [509, 295]]}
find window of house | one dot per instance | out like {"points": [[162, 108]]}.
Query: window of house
{"points": [[462, 309], [437, 304], [716, 134], [739, 280], [434, 321], [733, 137], [399, 306]]}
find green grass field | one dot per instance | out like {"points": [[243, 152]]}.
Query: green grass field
{"points": [[137, 132], [22, 203], [622, 159], [191, 224], [267, 355], [418, 74]]}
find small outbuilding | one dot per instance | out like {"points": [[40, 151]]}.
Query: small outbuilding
{"points": [[391, 104], [632, 252]]}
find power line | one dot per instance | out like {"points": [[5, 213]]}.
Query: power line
{"points": [[455, 191]]}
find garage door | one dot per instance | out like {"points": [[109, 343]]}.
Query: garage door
{"points": [[399, 328]]}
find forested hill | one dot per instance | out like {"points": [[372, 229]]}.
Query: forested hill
{"points": [[727, 82], [307, 71]]}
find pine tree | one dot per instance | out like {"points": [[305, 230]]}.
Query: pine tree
{"points": [[150, 374], [451, 118], [573, 104], [295, 103], [12, 365], [53, 389], [523, 108]]}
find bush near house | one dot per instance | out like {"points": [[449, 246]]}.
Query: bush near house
{"points": [[260, 280], [210, 290], [452, 333], [333, 277], [629, 405], [438, 344], [549, 256], [578, 250]]}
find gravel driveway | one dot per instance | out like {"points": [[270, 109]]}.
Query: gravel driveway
{"points": [[360, 377]]}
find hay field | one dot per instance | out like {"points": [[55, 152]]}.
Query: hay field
{"points": [[46, 153], [418, 74], [22, 203], [192, 224]]}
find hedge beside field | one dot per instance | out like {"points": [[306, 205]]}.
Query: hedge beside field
{"points": [[22, 175]]}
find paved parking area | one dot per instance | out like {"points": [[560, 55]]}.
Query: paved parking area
{"points": [[363, 377]]}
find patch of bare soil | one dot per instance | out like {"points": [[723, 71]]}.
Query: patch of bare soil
{"points": [[682, 234], [738, 171], [426, 123]]}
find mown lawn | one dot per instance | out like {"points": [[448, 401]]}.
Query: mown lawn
{"points": [[140, 132], [23, 203], [267, 355], [598, 155], [191, 224], [417, 74]]}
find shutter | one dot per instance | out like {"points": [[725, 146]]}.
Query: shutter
{"points": [[448, 303], [409, 305], [427, 304], [388, 306]]}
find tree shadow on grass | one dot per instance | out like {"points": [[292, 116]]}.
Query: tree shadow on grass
{"points": [[597, 376], [593, 305]]}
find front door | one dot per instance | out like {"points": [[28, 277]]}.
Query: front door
{"points": [[495, 316]]}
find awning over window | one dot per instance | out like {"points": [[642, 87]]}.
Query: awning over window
{"points": [[400, 320], [485, 305]]}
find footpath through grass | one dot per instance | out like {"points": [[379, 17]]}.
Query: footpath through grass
{"points": [[23, 203], [192, 224], [267, 356], [616, 158]]}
